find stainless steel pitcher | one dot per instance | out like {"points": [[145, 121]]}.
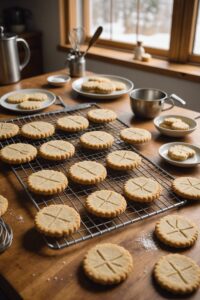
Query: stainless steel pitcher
{"points": [[76, 65], [10, 66]]}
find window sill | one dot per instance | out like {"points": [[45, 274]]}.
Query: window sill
{"points": [[155, 65]]}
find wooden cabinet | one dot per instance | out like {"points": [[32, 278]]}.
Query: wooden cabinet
{"points": [[35, 65]]}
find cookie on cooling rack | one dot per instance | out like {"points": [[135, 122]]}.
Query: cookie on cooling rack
{"points": [[56, 150], [101, 115], [72, 123], [3, 205], [8, 130], [37, 130], [123, 160], [135, 135], [18, 153], [96, 140]]}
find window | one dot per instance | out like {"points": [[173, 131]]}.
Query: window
{"points": [[196, 49]]}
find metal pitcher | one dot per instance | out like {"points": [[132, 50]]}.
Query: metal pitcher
{"points": [[10, 66], [76, 65]]}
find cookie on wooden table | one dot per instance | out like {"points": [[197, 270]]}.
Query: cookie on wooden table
{"points": [[30, 105], [72, 123], [105, 88], [180, 152], [135, 135], [177, 273], [56, 150], [37, 97], [107, 264], [17, 98], [47, 182], [57, 220], [105, 204], [101, 115], [123, 160], [176, 231], [3, 205], [188, 187], [142, 189], [87, 172], [8, 130], [37, 130], [96, 140], [18, 153]]}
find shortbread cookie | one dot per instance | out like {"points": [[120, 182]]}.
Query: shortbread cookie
{"points": [[37, 130], [18, 153], [30, 105], [72, 123], [180, 152], [105, 88], [57, 220], [105, 204], [123, 160], [37, 97], [98, 79], [107, 263], [163, 125], [180, 125], [3, 205], [57, 150], [96, 140], [188, 187], [119, 86], [8, 130], [176, 231], [17, 98], [89, 86], [170, 120], [101, 115], [142, 189], [87, 172], [177, 273], [135, 135], [47, 182]]}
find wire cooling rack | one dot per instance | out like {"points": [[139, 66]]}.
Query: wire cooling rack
{"points": [[75, 194]]}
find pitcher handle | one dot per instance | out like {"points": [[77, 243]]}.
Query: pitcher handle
{"points": [[171, 105], [27, 53], [178, 99]]}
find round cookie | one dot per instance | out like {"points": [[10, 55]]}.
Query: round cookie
{"points": [[188, 187], [3, 205], [177, 273], [180, 125], [135, 135], [176, 231], [72, 123], [56, 150], [119, 86], [8, 130], [18, 153], [96, 140], [98, 79], [17, 98], [87, 172], [89, 86], [107, 264], [30, 105], [105, 204], [57, 220], [101, 115], [163, 125], [37, 97], [123, 160], [170, 120], [47, 182], [105, 88], [37, 130], [142, 189], [180, 152]]}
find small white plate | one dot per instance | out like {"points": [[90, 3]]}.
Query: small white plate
{"points": [[190, 162], [58, 80], [15, 107], [76, 86], [175, 133]]}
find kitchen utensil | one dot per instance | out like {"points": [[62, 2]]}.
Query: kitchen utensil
{"points": [[76, 37], [76, 65], [9, 59], [149, 102], [93, 39], [58, 80], [175, 133], [6, 236]]}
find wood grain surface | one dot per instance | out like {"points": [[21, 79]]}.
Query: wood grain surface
{"points": [[29, 270]]}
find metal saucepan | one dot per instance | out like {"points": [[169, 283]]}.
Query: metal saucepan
{"points": [[148, 102]]}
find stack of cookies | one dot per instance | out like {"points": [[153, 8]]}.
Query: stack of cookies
{"points": [[102, 85], [174, 124]]}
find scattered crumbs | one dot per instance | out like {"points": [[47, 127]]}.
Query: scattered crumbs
{"points": [[48, 279], [20, 219], [145, 271], [64, 262], [55, 278], [61, 279], [146, 241], [33, 274]]}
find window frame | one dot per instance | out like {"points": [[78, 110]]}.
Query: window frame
{"points": [[184, 17]]}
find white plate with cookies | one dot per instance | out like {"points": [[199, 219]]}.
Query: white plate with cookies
{"points": [[180, 154], [102, 86], [27, 100], [175, 125]]}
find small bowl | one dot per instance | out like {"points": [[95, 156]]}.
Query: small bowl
{"points": [[58, 80], [175, 133]]}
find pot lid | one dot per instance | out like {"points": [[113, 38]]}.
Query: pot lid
{"points": [[6, 36]]}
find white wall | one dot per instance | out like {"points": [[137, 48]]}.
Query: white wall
{"points": [[46, 19]]}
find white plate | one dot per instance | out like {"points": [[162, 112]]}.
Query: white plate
{"points": [[15, 107], [175, 133], [190, 162], [76, 86], [58, 79]]}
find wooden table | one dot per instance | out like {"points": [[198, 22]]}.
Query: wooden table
{"points": [[36, 272]]}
